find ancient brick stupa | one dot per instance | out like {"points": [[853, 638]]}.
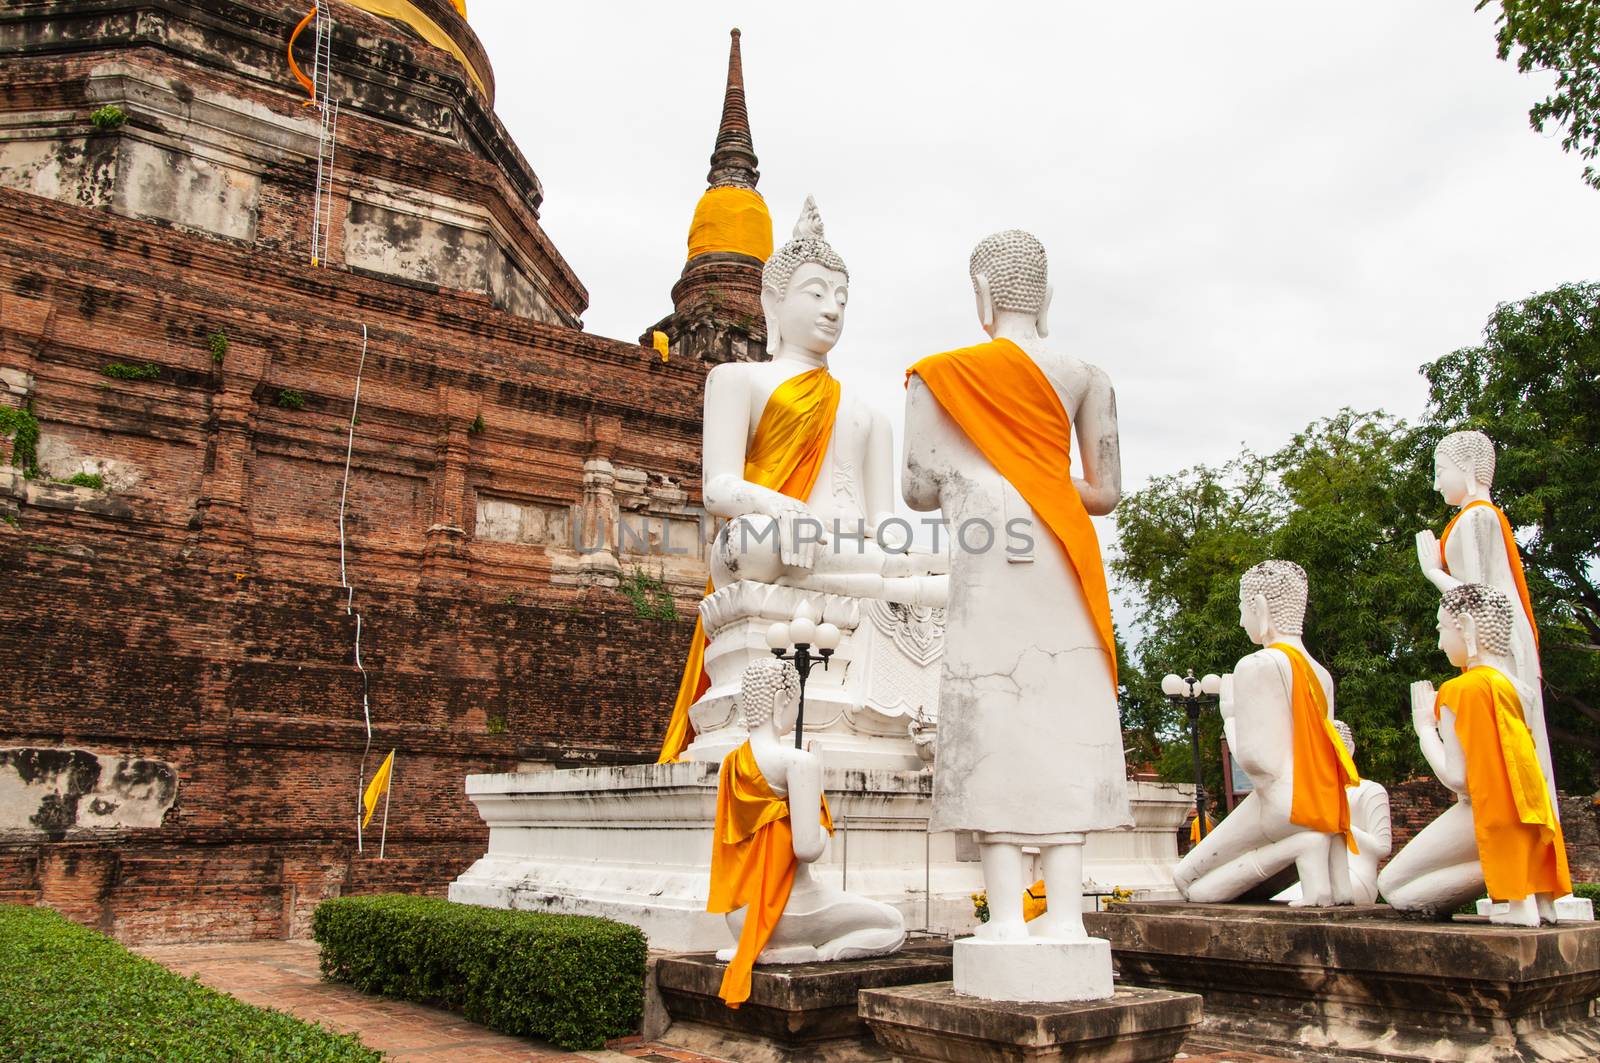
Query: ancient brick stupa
{"points": [[184, 735]]}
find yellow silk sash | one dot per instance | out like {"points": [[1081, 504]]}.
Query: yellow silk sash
{"points": [[1012, 414], [1513, 557], [1520, 843], [752, 862], [731, 219], [408, 12], [786, 456], [1323, 770]]}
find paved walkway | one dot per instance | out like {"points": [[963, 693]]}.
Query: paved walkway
{"points": [[284, 975]]}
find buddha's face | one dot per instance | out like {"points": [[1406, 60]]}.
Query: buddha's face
{"points": [[1450, 480], [811, 313], [1452, 640]]}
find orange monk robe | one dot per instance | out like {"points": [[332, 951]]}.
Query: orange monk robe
{"points": [[1010, 411], [1520, 844], [786, 455], [1323, 770], [752, 862], [1513, 557]]}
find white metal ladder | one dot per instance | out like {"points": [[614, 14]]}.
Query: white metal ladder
{"points": [[327, 136]]}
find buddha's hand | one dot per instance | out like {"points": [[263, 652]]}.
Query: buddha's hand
{"points": [[1428, 553], [800, 535], [1422, 702]]}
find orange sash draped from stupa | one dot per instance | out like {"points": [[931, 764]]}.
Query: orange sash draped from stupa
{"points": [[1004, 404], [752, 862], [1323, 770], [1513, 557], [1519, 838], [786, 456]]}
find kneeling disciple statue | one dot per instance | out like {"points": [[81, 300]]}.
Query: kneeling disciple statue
{"points": [[771, 819], [1029, 740], [1502, 834], [1369, 822], [1277, 711]]}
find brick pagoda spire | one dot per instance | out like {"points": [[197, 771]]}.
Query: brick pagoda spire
{"points": [[716, 303]]}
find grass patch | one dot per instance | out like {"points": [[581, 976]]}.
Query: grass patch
{"points": [[290, 399], [649, 595], [125, 371], [109, 117], [574, 980], [70, 995], [85, 479], [22, 426]]}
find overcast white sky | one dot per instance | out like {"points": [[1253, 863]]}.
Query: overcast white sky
{"points": [[1256, 212]]}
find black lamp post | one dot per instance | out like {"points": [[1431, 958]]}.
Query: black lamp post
{"points": [[1194, 695], [802, 633]]}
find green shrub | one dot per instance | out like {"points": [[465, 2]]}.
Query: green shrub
{"points": [[86, 479], [124, 371], [218, 342], [290, 399], [649, 595], [1587, 890], [22, 426], [574, 980], [68, 994], [109, 117], [476, 426]]}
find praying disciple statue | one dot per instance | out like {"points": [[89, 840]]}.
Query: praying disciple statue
{"points": [[772, 822], [1369, 823], [1029, 740], [1502, 834], [1277, 711]]}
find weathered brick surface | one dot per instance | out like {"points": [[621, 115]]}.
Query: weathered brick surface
{"points": [[193, 614]]}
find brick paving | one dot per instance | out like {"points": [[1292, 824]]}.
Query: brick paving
{"points": [[283, 975]]}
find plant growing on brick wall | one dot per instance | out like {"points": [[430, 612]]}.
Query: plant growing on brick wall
{"points": [[649, 595], [290, 399], [109, 117], [218, 342], [477, 425], [85, 479], [496, 725], [575, 980], [22, 426], [125, 371]]}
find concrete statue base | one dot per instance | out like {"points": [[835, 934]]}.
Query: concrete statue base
{"points": [[1365, 983], [934, 1024], [634, 844], [1039, 970], [805, 1012]]}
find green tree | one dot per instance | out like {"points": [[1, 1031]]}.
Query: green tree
{"points": [[1562, 36], [1533, 386]]}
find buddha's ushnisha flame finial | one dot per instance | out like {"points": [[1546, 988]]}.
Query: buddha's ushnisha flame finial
{"points": [[733, 160]]}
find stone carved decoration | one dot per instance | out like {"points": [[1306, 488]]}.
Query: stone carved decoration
{"points": [[917, 631], [767, 781], [1029, 740], [1474, 736], [1269, 830]]}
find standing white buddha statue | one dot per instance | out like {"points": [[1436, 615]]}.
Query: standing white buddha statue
{"points": [[1502, 834], [1029, 738], [1277, 707]]}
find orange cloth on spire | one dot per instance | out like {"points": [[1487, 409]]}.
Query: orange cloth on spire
{"points": [[731, 219], [1513, 557], [1323, 770], [1003, 403], [1520, 844], [752, 862], [786, 455]]}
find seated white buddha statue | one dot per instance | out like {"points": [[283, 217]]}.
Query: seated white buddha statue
{"points": [[1277, 708], [772, 823], [800, 467], [1369, 823], [1502, 834]]}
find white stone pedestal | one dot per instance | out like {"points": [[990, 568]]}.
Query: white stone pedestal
{"points": [[634, 844], [1039, 970]]}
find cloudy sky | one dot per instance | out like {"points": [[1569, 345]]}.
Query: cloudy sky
{"points": [[1256, 212]]}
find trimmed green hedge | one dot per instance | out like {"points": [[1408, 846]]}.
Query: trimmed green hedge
{"points": [[571, 979], [70, 995]]}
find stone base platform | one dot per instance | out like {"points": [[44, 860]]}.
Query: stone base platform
{"points": [[933, 1024], [796, 1012], [1366, 983]]}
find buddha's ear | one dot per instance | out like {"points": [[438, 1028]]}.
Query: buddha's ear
{"points": [[769, 308], [1469, 634], [1044, 310], [980, 285]]}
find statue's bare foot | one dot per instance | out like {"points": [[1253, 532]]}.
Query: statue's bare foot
{"points": [[790, 954], [1066, 926], [1002, 930], [725, 955], [860, 944]]}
